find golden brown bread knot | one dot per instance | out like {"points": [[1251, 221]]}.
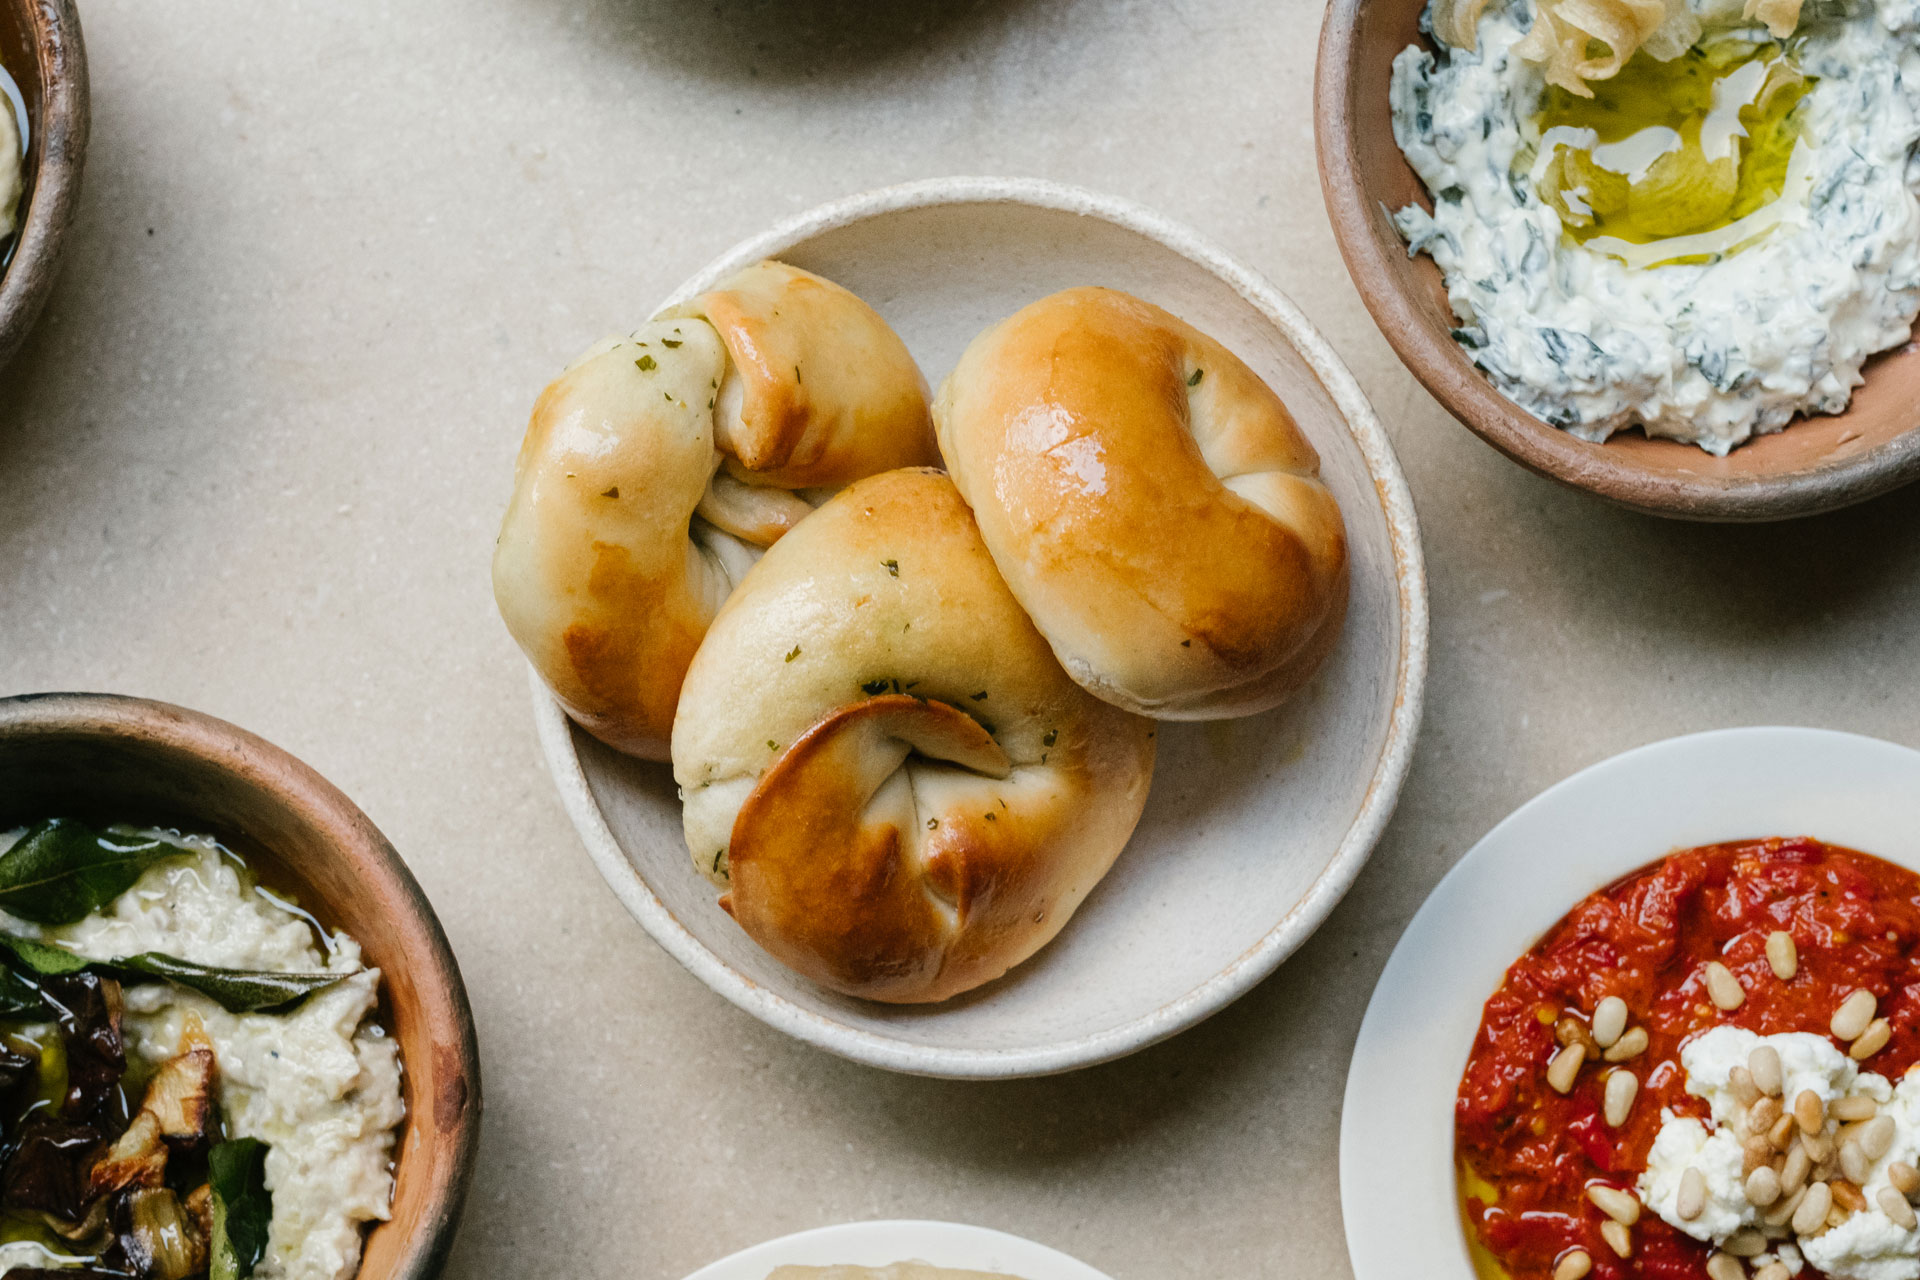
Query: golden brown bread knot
{"points": [[1150, 502], [658, 465], [882, 763]]}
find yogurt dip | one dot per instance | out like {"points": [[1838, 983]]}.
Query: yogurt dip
{"points": [[1727, 344], [319, 1084]]}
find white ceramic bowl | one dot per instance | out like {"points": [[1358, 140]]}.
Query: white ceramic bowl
{"points": [[877, 1244], [1255, 827], [1396, 1130]]}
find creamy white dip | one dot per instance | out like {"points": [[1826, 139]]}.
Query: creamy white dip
{"points": [[1713, 353], [1868, 1245], [319, 1085]]}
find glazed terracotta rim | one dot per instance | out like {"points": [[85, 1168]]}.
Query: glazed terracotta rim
{"points": [[1389, 769], [1446, 372], [53, 186], [1397, 1178], [257, 765]]}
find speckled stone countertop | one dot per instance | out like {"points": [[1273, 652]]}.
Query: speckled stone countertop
{"points": [[255, 454]]}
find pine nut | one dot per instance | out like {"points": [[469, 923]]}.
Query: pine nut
{"points": [[1740, 1084], [1629, 1046], [1764, 1065], [1872, 1040], [1609, 1021], [1622, 1088], [1618, 1238], [1781, 1135], [1773, 1271], [1723, 988], [1808, 1111], [1904, 1177], [1876, 1138], [1895, 1206], [1565, 1068], [1745, 1243], [1853, 1161], [1853, 1015], [1756, 1152], [1835, 1216], [1692, 1197], [1812, 1213], [1784, 1208], [1573, 1265], [1724, 1266], [1617, 1204], [1763, 1187], [1764, 1115], [1794, 1176], [1818, 1146], [1570, 1030], [1854, 1107], [1847, 1195], [1782, 955]]}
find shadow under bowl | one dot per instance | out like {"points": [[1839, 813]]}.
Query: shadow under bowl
{"points": [[117, 759], [1817, 464], [41, 48]]}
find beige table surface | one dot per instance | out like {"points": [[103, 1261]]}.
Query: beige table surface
{"points": [[253, 459]]}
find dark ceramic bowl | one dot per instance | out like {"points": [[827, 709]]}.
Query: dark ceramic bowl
{"points": [[1816, 464], [126, 759], [40, 47]]}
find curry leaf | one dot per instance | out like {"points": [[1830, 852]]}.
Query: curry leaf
{"points": [[236, 990], [242, 1207], [18, 998], [42, 960], [63, 870]]}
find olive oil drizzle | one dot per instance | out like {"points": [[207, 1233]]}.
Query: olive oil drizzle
{"points": [[1677, 148]]}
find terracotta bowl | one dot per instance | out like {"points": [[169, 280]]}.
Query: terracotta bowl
{"points": [[1816, 464], [40, 47], [126, 759]]}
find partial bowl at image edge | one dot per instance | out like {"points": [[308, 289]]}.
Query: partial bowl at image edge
{"points": [[1815, 465], [111, 758], [1398, 1182], [42, 48]]}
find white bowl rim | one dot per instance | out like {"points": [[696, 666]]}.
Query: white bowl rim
{"points": [[1383, 790], [944, 1244], [1397, 1192]]}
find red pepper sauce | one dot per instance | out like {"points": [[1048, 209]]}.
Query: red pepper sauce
{"points": [[1646, 938]]}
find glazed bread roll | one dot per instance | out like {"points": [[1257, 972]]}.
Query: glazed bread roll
{"points": [[1150, 502], [901, 792], [657, 466]]}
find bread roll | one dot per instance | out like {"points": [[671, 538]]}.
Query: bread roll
{"points": [[901, 792], [1150, 502], [658, 465]]}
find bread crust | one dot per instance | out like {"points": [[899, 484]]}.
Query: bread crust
{"points": [[1151, 503], [658, 465], [901, 792]]}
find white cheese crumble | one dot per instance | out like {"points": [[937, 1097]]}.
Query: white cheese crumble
{"points": [[320, 1085], [1868, 1245], [1713, 353]]}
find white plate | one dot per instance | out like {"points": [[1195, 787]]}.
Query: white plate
{"points": [[1396, 1130], [1255, 827], [877, 1244]]}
